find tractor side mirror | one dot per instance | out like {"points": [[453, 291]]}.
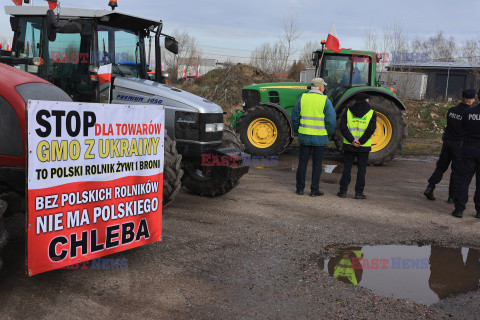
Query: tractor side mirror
{"points": [[315, 56], [171, 45], [52, 26]]}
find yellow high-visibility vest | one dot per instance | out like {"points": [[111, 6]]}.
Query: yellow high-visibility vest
{"points": [[312, 117], [344, 269], [358, 126]]}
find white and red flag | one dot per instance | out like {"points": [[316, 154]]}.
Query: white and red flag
{"points": [[52, 4], [184, 72], [105, 73], [332, 40], [198, 72]]}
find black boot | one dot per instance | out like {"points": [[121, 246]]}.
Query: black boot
{"points": [[429, 192], [457, 214], [477, 215]]}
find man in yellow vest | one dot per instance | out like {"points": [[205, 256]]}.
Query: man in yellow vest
{"points": [[314, 118], [357, 125]]}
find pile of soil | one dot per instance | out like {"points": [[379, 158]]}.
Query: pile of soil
{"points": [[224, 86], [426, 116]]}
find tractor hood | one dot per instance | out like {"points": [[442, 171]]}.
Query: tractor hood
{"points": [[278, 85], [140, 91]]}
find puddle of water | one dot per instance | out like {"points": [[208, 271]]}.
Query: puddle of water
{"points": [[330, 167], [422, 274]]}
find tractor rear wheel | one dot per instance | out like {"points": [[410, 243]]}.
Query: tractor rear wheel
{"points": [[215, 184], [172, 171], [3, 232], [264, 131], [390, 134]]}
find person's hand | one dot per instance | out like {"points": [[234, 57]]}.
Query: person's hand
{"points": [[356, 143]]}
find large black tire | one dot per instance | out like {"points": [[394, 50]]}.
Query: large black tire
{"points": [[398, 135], [172, 171], [283, 137], [217, 184], [3, 232]]}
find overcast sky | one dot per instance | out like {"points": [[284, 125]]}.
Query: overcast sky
{"points": [[235, 28]]}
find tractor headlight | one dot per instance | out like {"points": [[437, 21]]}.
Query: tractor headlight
{"points": [[213, 127]]}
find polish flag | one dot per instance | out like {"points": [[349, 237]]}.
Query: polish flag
{"points": [[105, 73], [9, 46], [184, 72], [198, 71], [52, 4], [18, 2], [332, 40]]}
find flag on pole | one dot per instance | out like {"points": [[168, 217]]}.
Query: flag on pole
{"points": [[105, 73], [198, 72], [18, 2], [52, 4], [332, 40], [184, 72]]}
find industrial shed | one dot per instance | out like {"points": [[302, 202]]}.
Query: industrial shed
{"points": [[445, 79]]}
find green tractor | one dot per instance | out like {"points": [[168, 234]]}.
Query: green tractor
{"points": [[265, 126]]}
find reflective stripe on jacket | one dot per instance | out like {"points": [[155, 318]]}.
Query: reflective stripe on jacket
{"points": [[358, 126], [344, 270], [312, 117]]}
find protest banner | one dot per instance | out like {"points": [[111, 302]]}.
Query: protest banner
{"points": [[95, 181]]}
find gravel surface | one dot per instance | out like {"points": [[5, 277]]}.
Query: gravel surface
{"points": [[253, 254]]}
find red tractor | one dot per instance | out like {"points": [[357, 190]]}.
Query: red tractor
{"points": [[16, 88]]}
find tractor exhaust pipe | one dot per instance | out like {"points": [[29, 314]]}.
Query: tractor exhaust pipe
{"points": [[158, 56]]}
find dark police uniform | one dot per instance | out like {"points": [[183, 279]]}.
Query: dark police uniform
{"points": [[471, 162], [451, 151]]}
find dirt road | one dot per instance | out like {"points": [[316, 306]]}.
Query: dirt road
{"points": [[254, 254]]}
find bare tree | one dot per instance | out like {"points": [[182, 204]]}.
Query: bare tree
{"points": [[189, 54], [439, 47], [370, 38], [288, 38], [470, 51], [269, 57], [275, 57], [306, 53]]}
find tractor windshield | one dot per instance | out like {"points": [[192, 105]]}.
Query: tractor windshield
{"points": [[28, 42], [336, 73], [122, 49], [340, 73]]}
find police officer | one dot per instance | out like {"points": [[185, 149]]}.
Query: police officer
{"points": [[314, 118], [451, 149], [357, 125], [470, 162]]}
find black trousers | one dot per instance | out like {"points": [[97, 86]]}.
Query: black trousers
{"points": [[451, 153], [348, 159], [470, 166], [317, 154]]}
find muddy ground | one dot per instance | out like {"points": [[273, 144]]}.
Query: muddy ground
{"points": [[254, 253]]}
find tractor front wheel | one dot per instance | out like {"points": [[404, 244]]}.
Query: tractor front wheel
{"points": [[390, 134], [172, 171], [264, 131]]}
